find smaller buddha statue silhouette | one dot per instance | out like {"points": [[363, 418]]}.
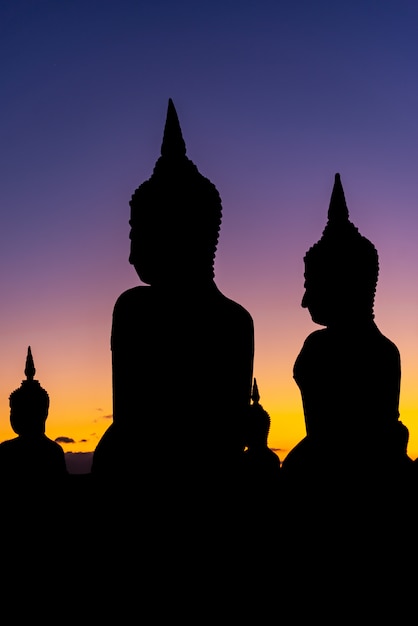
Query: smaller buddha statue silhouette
{"points": [[262, 465], [348, 372], [261, 482], [31, 459], [182, 352]]}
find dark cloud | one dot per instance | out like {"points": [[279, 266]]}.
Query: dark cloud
{"points": [[64, 440], [103, 417]]}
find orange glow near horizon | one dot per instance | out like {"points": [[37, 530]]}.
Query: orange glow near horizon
{"points": [[76, 372]]}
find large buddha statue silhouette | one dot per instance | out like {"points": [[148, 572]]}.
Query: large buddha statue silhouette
{"points": [[182, 352], [348, 372]]}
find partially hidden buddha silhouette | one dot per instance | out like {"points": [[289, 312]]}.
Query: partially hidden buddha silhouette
{"points": [[182, 352], [261, 464], [348, 373], [31, 458]]}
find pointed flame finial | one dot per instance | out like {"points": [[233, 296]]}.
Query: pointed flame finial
{"points": [[173, 144], [30, 366], [338, 211], [255, 396]]}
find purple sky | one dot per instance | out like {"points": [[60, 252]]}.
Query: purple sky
{"points": [[273, 98]]}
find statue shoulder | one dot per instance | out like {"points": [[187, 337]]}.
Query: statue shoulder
{"points": [[136, 294], [390, 345], [385, 348], [320, 337], [235, 310], [8, 444]]}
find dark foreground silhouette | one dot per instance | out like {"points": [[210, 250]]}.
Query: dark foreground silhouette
{"points": [[163, 529]]}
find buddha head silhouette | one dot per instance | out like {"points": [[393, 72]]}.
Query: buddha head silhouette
{"points": [[175, 216], [341, 269], [29, 404]]}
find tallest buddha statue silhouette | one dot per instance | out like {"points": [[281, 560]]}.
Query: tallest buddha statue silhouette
{"points": [[182, 352], [348, 373]]}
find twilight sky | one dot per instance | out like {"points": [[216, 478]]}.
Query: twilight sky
{"points": [[273, 98]]}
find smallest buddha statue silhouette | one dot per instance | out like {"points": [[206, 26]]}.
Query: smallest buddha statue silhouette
{"points": [[348, 372], [261, 464], [30, 460]]}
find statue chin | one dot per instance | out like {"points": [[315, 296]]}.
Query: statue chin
{"points": [[143, 277], [142, 273]]}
